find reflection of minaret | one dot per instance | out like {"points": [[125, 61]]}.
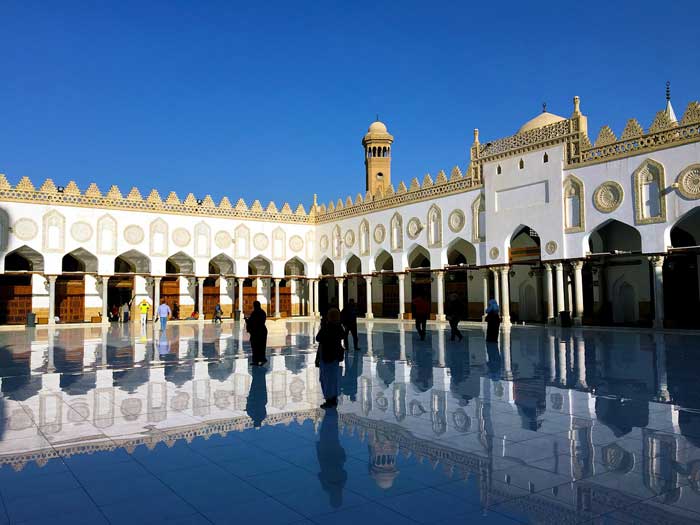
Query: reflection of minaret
{"points": [[581, 362], [661, 376], [551, 356], [562, 362], [382, 460]]}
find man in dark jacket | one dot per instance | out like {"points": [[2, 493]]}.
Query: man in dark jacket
{"points": [[348, 318], [454, 315], [421, 312]]}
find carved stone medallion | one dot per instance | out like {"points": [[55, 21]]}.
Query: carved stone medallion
{"points": [[25, 229], [456, 220], [379, 234], [260, 241], [81, 231], [608, 196], [494, 253], [324, 243], [223, 239], [413, 228], [689, 182], [181, 237], [133, 234], [349, 238], [296, 243], [551, 247]]}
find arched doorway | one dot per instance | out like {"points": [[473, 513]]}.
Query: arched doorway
{"points": [[220, 267], [355, 286], [681, 290], [171, 290], [293, 296], [461, 258], [16, 284], [388, 287], [421, 278], [525, 276], [70, 285], [121, 286], [257, 286], [620, 281], [326, 287]]}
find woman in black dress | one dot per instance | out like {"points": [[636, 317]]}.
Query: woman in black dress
{"points": [[255, 325], [493, 321]]}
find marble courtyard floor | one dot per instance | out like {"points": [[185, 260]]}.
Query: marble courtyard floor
{"points": [[121, 425]]}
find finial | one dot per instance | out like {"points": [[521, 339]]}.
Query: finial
{"points": [[544, 107], [577, 102], [476, 135], [315, 199], [377, 119], [668, 90]]}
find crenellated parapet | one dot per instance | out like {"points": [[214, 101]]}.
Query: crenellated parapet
{"points": [[70, 195]]}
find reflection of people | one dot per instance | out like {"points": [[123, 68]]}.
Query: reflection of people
{"points": [[163, 314], [454, 315], [350, 373], [163, 344], [331, 459], [329, 355], [421, 311], [257, 397], [348, 317], [255, 325], [144, 307], [493, 321], [494, 359]]}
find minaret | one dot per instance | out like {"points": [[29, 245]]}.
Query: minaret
{"points": [[377, 143], [669, 108]]}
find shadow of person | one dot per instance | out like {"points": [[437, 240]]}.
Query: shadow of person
{"points": [[353, 362], [331, 459], [257, 397]]}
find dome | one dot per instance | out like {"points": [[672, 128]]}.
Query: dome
{"points": [[541, 120], [377, 127]]}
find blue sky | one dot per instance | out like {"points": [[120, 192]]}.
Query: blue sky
{"points": [[270, 101]]}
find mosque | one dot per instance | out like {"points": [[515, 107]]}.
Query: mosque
{"points": [[553, 225]]}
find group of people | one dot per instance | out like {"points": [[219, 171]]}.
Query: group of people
{"points": [[120, 314]]}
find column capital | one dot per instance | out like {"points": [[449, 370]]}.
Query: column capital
{"points": [[547, 266], [559, 266], [340, 279], [657, 260], [157, 278], [51, 278], [401, 276], [277, 280], [240, 280], [577, 264], [368, 278], [504, 269], [201, 279]]}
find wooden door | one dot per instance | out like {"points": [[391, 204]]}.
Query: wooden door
{"points": [[170, 291], [211, 297], [285, 302], [70, 299], [15, 298], [250, 295], [460, 288], [390, 300], [361, 296]]}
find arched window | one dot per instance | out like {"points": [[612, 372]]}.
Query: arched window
{"points": [[337, 243], [396, 232], [434, 226], [521, 164], [649, 201], [498, 169], [364, 237], [545, 158], [573, 208], [479, 219]]}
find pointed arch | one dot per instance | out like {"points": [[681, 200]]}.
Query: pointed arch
{"points": [[242, 235], [106, 235], [327, 266], [54, 232], [524, 244], [418, 257], [384, 261], [364, 238], [79, 260], [353, 264], [613, 235], [574, 219], [259, 265], [295, 266], [649, 198], [24, 259], [479, 219], [434, 226], [158, 244], [132, 261], [222, 264], [181, 263], [202, 240], [396, 232], [461, 251], [279, 244], [686, 230]]}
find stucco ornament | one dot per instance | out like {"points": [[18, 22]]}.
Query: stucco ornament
{"points": [[349, 238], [551, 247], [413, 228], [608, 196], [222, 239], [81, 231], [25, 229], [296, 243], [260, 241], [324, 243], [181, 237], [133, 234], [379, 233], [456, 220], [689, 182], [494, 253]]}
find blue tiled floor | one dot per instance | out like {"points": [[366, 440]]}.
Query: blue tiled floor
{"points": [[585, 426]]}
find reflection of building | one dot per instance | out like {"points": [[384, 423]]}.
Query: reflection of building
{"points": [[611, 226], [382, 460]]}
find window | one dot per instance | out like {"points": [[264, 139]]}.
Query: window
{"points": [[545, 159], [521, 164], [498, 169]]}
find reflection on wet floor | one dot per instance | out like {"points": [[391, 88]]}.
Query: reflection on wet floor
{"points": [[549, 425]]}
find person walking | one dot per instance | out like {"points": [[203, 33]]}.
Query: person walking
{"points": [[348, 318], [421, 311], [255, 325], [218, 314], [454, 316], [144, 307], [329, 355], [124, 313], [493, 321], [163, 313]]}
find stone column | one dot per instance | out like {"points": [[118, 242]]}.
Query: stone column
{"points": [[317, 308], [440, 296], [105, 305], [549, 292], [156, 296], [239, 282], [52, 299], [402, 296], [560, 288], [581, 362], [200, 297], [562, 362], [341, 292], [662, 393], [496, 286], [578, 291], [505, 349], [657, 262], [486, 292], [277, 296], [552, 357], [505, 292], [368, 280]]}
